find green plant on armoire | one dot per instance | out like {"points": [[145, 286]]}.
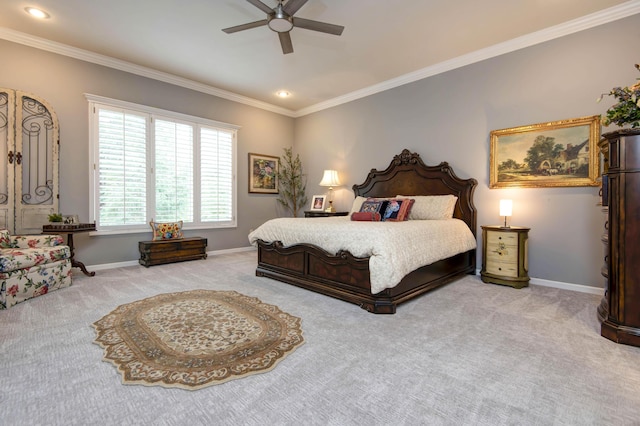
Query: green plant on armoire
{"points": [[627, 111], [292, 183]]}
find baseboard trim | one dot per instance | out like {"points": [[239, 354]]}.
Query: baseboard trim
{"points": [[104, 266], [535, 281], [580, 288], [568, 286]]}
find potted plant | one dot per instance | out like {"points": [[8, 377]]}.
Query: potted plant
{"points": [[55, 218], [627, 111], [292, 183]]}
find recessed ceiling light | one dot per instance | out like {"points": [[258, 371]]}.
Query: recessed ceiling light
{"points": [[37, 13], [283, 93]]}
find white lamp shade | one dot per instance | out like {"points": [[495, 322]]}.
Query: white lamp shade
{"points": [[506, 207], [330, 178]]}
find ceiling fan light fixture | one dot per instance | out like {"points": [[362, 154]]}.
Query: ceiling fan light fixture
{"points": [[280, 25]]}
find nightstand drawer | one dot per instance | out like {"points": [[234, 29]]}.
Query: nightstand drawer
{"points": [[508, 238], [502, 268], [502, 253]]}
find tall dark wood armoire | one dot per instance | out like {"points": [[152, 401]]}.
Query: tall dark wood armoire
{"points": [[619, 311]]}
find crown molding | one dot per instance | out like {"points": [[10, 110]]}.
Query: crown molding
{"points": [[605, 16], [570, 27], [107, 61]]}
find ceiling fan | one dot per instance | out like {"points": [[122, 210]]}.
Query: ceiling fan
{"points": [[280, 19]]}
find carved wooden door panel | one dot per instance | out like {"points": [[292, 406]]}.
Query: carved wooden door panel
{"points": [[7, 145], [29, 176]]}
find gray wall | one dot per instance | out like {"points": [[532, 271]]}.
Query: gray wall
{"points": [[448, 117], [62, 81]]}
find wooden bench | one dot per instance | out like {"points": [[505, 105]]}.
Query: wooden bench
{"points": [[169, 251]]}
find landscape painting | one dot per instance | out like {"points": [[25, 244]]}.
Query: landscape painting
{"points": [[558, 153]]}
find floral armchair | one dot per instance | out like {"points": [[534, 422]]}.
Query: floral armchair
{"points": [[32, 265]]}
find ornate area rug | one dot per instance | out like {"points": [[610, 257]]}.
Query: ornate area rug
{"points": [[195, 339]]}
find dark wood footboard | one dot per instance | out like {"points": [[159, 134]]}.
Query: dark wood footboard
{"points": [[347, 278]]}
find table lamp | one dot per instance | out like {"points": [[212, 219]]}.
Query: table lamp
{"points": [[506, 208], [330, 179]]}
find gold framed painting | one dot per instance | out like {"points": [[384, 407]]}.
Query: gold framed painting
{"points": [[553, 154], [263, 174]]}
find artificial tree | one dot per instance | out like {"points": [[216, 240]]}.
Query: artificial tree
{"points": [[292, 183]]}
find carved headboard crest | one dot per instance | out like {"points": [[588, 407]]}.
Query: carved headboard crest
{"points": [[406, 157]]}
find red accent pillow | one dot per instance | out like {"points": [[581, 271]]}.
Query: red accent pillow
{"points": [[366, 216]]}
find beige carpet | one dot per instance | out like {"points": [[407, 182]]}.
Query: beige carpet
{"points": [[197, 338], [468, 353]]}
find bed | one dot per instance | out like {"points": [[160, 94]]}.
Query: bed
{"points": [[346, 277]]}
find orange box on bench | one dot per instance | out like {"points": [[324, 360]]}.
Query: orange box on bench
{"points": [[169, 251]]}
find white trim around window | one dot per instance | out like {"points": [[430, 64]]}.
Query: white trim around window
{"points": [[153, 164]]}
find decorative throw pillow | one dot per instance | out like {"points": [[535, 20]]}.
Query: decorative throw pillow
{"points": [[166, 230], [374, 206], [5, 239], [397, 210], [357, 203], [366, 216], [432, 207]]}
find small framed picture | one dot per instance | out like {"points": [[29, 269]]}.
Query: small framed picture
{"points": [[70, 219], [317, 202]]}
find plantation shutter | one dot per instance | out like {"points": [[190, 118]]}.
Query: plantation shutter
{"points": [[122, 139], [216, 174], [174, 171], [152, 164]]}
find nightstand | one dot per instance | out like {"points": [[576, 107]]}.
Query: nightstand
{"points": [[320, 213], [505, 255]]}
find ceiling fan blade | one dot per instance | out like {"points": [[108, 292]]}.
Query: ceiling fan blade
{"points": [[323, 27], [293, 6], [263, 7], [285, 42], [245, 26]]}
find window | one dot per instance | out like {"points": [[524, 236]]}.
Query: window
{"points": [[154, 164]]}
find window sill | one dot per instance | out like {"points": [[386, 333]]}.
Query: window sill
{"points": [[146, 230]]}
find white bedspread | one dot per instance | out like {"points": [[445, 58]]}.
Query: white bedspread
{"points": [[394, 248]]}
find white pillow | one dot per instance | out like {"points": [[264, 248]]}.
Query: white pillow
{"points": [[431, 207], [357, 204]]}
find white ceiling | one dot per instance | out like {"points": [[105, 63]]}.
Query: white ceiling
{"points": [[385, 43]]}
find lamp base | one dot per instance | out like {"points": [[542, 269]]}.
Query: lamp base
{"points": [[330, 209]]}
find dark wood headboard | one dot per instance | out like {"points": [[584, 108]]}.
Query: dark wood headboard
{"points": [[408, 175]]}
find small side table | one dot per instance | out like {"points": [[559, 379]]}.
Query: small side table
{"points": [[505, 255], [320, 213], [69, 230]]}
